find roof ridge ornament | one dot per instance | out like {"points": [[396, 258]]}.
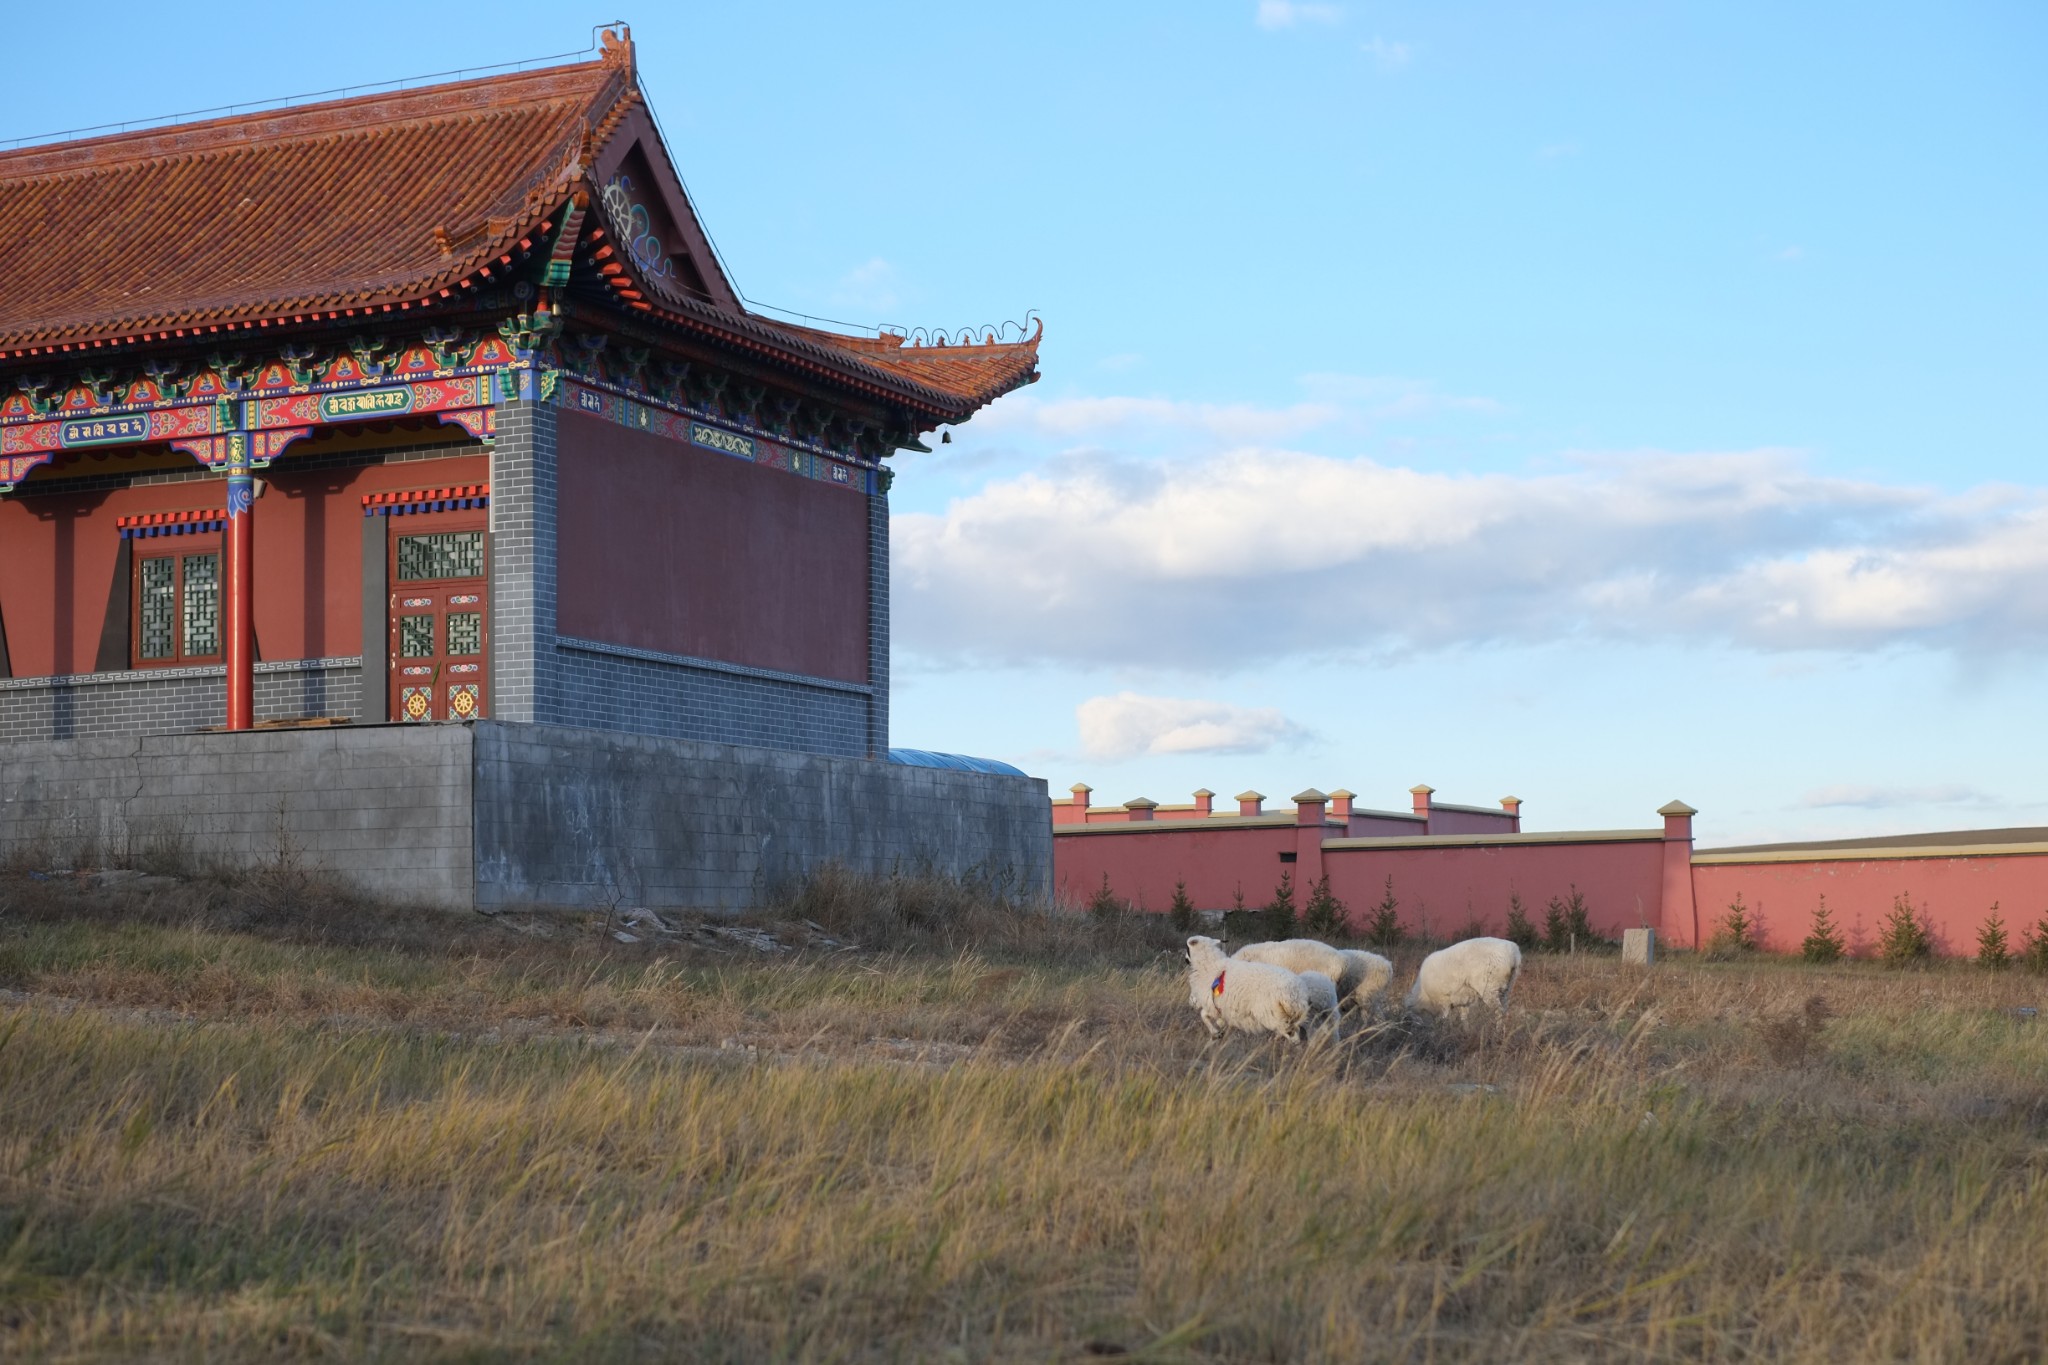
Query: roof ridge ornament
{"points": [[615, 46]]}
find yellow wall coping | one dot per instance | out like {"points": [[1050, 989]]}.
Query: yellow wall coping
{"points": [[1284, 819], [1567, 836], [1870, 854]]}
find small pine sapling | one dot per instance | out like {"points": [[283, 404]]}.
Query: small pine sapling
{"points": [[1325, 916], [1384, 929], [1994, 953], [1520, 932], [1824, 943], [1182, 910], [1104, 904], [1557, 930], [1280, 909], [2033, 954], [1904, 938], [1579, 921], [1737, 931]]}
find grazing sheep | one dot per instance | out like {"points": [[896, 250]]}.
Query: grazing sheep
{"points": [[1252, 997], [1322, 1000], [1358, 975], [1365, 976], [1475, 972], [1296, 955]]}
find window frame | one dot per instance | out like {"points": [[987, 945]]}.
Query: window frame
{"points": [[213, 547]]}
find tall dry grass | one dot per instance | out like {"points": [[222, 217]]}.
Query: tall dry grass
{"points": [[220, 1141]]}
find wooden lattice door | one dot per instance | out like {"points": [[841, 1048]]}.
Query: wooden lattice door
{"points": [[439, 616]]}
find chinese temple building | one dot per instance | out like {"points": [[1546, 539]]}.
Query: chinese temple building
{"points": [[436, 406]]}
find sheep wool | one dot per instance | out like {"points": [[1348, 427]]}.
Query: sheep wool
{"points": [[1251, 997], [1322, 1000], [1365, 976], [1296, 955], [1479, 971]]}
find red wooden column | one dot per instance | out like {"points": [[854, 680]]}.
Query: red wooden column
{"points": [[239, 611]]}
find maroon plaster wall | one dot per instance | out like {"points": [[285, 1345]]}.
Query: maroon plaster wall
{"points": [[667, 547], [57, 559]]}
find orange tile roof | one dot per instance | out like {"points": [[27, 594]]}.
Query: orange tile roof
{"points": [[379, 203], [352, 203]]}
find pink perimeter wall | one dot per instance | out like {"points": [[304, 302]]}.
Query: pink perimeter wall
{"points": [[1954, 892], [1448, 885], [1442, 888], [667, 547], [1447, 890]]}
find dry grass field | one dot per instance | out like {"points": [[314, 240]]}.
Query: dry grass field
{"points": [[250, 1119]]}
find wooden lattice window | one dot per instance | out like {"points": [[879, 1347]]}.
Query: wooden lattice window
{"points": [[177, 609]]}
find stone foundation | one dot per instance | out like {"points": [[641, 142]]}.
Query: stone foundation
{"points": [[492, 815]]}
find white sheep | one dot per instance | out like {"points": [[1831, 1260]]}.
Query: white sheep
{"points": [[1322, 1001], [1252, 997], [1358, 975], [1365, 976], [1475, 972]]}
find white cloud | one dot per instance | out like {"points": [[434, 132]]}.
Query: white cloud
{"points": [[1288, 13], [1332, 400], [871, 284], [1880, 798], [1389, 54], [1128, 725], [1247, 555]]}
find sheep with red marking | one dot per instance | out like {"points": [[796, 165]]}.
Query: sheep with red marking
{"points": [[1358, 975], [1250, 997]]}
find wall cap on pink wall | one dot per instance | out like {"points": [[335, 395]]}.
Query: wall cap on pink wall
{"points": [[1676, 808], [1421, 789], [1511, 803], [1281, 820], [1080, 787], [1342, 795], [1309, 797], [1202, 791], [1572, 836], [1141, 803], [1861, 855], [1249, 796]]}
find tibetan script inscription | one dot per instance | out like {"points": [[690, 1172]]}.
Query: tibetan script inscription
{"points": [[103, 431], [344, 407]]}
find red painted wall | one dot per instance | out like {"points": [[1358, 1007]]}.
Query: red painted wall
{"points": [[667, 547], [57, 559], [1143, 867], [1444, 889], [1955, 893]]}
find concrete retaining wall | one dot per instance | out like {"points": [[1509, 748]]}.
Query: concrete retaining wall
{"points": [[386, 806], [496, 814]]}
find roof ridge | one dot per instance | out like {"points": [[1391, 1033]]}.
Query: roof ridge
{"points": [[192, 155], [585, 80]]}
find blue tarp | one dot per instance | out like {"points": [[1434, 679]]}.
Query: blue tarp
{"points": [[925, 758]]}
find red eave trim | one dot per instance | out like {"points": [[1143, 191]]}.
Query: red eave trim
{"points": [[466, 490], [143, 519]]}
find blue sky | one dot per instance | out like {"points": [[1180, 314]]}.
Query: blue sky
{"points": [[1598, 403]]}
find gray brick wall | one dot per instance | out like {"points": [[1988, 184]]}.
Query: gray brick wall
{"points": [[522, 581], [610, 687], [878, 620], [172, 700]]}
